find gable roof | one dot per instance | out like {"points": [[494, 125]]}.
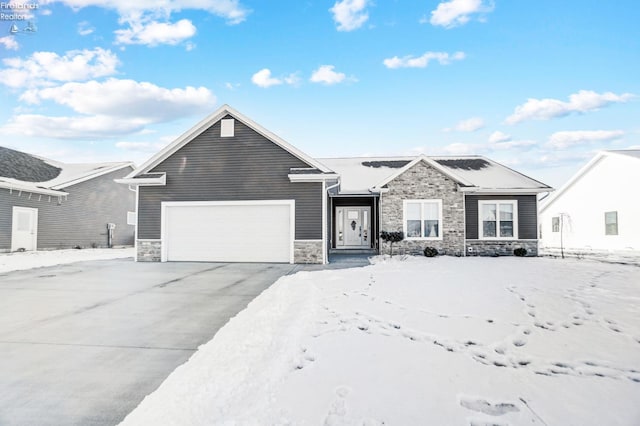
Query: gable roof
{"points": [[26, 172], [209, 121], [361, 175], [631, 153]]}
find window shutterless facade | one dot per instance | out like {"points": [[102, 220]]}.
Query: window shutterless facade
{"points": [[555, 224], [498, 219], [422, 219]]}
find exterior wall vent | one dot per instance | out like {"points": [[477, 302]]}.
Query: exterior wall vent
{"points": [[227, 128]]}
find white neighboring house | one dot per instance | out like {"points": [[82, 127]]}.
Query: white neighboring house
{"points": [[597, 212]]}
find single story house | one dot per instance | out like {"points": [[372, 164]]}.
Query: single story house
{"points": [[45, 204], [594, 213], [230, 190]]}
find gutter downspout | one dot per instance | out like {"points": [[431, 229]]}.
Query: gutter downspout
{"points": [[324, 208]]}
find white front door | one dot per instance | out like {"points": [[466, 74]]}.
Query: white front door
{"points": [[24, 229], [353, 227]]}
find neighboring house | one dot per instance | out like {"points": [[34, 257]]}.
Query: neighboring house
{"points": [[595, 212], [230, 190], [46, 204]]}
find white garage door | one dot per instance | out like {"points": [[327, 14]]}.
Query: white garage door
{"points": [[248, 231]]}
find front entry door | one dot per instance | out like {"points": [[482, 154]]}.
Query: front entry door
{"points": [[353, 227], [24, 229]]}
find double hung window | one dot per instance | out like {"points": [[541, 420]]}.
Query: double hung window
{"points": [[498, 219], [423, 219]]}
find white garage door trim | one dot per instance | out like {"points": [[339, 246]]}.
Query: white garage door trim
{"points": [[165, 238]]}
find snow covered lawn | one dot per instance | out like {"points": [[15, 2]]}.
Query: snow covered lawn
{"points": [[37, 259], [441, 341]]}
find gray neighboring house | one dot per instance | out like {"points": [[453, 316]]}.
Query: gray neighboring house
{"points": [[230, 190], [45, 204]]}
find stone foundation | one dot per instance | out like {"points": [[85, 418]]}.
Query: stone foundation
{"points": [[307, 251], [500, 248], [148, 250]]}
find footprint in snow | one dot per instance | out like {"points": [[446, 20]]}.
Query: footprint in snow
{"points": [[486, 407], [338, 408]]}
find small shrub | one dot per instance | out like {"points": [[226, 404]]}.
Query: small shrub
{"points": [[392, 237], [430, 251], [520, 252]]}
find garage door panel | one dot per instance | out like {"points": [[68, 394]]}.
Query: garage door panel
{"points": [[228, 233]]}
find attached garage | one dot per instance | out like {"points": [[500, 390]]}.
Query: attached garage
{"points": [[228, 231]]}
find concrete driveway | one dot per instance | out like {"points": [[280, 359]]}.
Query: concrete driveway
{"points": [[82, 344]]}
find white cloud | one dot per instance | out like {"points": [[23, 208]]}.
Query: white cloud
{"points": [[150, 147], [85, 28], [583, 101], [43, 68], [230, 10], [459, 148], [350, 14], [264, 79], [454, 13], [566, 139], [469, 125], [155, 33], [95, 127], [325, 74], [9, 43], [495, 146], [498, 136], [423, 61], [127, 99]]}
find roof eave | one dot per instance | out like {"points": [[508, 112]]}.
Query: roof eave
{"points": [[505, 190], [147, 181], [312, 177], [34, 190], [93, 174]]}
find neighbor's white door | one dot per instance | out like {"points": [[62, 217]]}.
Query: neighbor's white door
{"points": [[354, 227], [251, 231], [24, 229]]}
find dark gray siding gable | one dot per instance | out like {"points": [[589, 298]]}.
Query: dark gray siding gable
{"points": [[527, 214], [81, 219], [247, 166]]}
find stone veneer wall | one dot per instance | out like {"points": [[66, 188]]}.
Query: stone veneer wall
{"points": [[307, 251], [500, 248], [148, 250], [424, 182]]}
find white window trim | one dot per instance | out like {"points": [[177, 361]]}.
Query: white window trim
{"points": [[404, 219], [514, 203]]}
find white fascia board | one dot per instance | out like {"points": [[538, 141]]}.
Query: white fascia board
{"points": [[94, 174], [33, 189], [505, 191], [312, 177], [161, 180], [207, 122]]}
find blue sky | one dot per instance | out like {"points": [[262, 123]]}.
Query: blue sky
{"points": [[538, 85]]}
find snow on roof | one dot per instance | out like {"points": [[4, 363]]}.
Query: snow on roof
{"points": [[628, 152], [27, 172], [358, 174]]}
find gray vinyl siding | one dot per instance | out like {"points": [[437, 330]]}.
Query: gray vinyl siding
{"points": [[80, 219], [247, 166], [527, 214]]}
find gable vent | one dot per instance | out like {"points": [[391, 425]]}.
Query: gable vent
{"points": [[227, 128]]}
